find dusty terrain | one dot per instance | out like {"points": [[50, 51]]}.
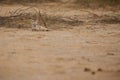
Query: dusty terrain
{"points": [[85, 52]]}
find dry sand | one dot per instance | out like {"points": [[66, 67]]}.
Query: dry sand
{"points": [[82, 53]]}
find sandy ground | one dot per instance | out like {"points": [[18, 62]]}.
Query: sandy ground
{"points": [[81, 53]]}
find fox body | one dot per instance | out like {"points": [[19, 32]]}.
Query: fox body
{"points": [[37, 27]]}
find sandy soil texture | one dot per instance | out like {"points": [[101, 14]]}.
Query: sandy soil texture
{"points": [[86, 52]]}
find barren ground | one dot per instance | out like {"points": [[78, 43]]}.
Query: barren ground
{"points": [[85, 52]]}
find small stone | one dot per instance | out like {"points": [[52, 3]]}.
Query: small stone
{"points": [[118, 70], [99, 69], [93, 73], [87, 70], [110, 53], [13, 52]]}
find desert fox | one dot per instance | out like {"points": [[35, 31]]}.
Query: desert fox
{"points": [[37, 27]]}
